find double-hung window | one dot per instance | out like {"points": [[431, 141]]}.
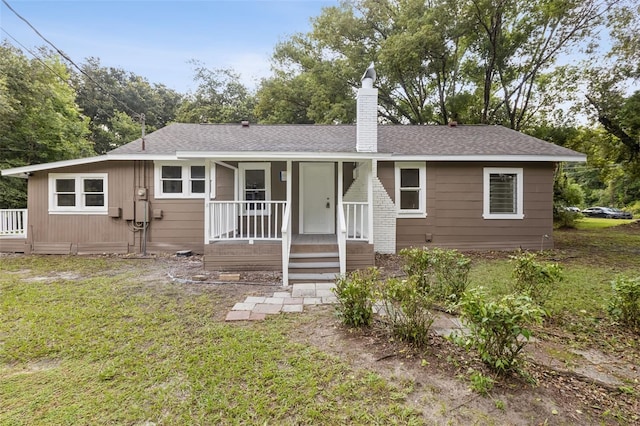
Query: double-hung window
{"points": [[411, 184], [503, 193], [72, 193], [255, 185], [179, 180]]}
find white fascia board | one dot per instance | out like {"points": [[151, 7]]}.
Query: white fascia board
{"points": [[149, 157], [25, 170], [262, 155], [491, 158], [348, 156]]}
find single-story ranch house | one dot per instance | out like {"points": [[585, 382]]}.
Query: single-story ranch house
{"points": [[307, 200]]}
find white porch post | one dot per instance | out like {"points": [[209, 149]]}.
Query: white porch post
{"points": [[289, 183], [207, 200], [340, 221], [373, 172], [286, 227]]}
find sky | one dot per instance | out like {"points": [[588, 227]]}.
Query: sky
{"points": [[156, 39]]}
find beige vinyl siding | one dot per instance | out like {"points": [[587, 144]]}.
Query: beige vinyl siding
{"points": [[56, 233], [225, 183], [454, 209], [241, 256], [182, 224], [360, 255], [14, 245]]}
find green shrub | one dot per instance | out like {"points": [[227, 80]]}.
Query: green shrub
{"points": [[565, 219], [497, 329], [624, 306], [355, 294], [480, 383], [408, 309], [443, 274], [534, 279]]}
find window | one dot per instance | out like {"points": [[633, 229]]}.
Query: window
{"points": [[78, 193], [197, 179], [411, 184], [255, 185], [176, 179], [503, 193]]}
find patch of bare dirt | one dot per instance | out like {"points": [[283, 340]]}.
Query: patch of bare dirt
{"points": [[540, 395], [558, 384]]}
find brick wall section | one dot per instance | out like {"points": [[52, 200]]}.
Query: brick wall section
{"points": [[384, 212], [384, 220], [367, 124], [358, 190]]}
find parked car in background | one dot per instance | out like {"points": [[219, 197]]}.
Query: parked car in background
{"points": [[607, 212], [573, 209], [621, 214], [598, 212]]}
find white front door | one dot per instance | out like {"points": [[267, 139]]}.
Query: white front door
{"points": [[317, 198]]}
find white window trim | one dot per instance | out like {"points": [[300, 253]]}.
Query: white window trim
{"points": [[242, 168], [422, 210], [519, 172], [186, 179], [79, 208]]}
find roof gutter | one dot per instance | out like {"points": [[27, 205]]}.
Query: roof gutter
{"points": [[25, 171]]}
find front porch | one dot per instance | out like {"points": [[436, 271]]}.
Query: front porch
{"points": [[312, 220], [309, 258]]}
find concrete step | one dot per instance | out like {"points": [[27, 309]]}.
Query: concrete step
{"points": [[313, 248], [308, 255], [312, 277], [315, 265]]}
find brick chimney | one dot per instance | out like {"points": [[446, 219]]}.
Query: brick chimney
{"points": [[367, 113]]}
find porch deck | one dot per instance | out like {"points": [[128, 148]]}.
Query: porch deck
{"points": [[234, 255], [310, 239]]}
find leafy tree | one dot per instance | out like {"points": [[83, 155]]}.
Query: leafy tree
{"points": [[472, 61], [105, 93], [39, 119], [612, 99], [219, 98]]}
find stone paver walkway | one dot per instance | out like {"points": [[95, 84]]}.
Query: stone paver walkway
{"points": [[292, 299]]}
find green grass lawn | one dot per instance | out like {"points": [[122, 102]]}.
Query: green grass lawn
{"points": [[591, 256], [107, 348], [95, 341], [599, 223]]}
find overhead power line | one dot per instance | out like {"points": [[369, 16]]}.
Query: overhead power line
{"points": [[67, 58], [64, 79]]}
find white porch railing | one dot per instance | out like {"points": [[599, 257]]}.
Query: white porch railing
{"points": [[13, 223], [245, 220], [356, 220]]}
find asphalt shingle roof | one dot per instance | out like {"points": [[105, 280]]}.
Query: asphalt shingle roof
{"points": [[392, 139]]}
